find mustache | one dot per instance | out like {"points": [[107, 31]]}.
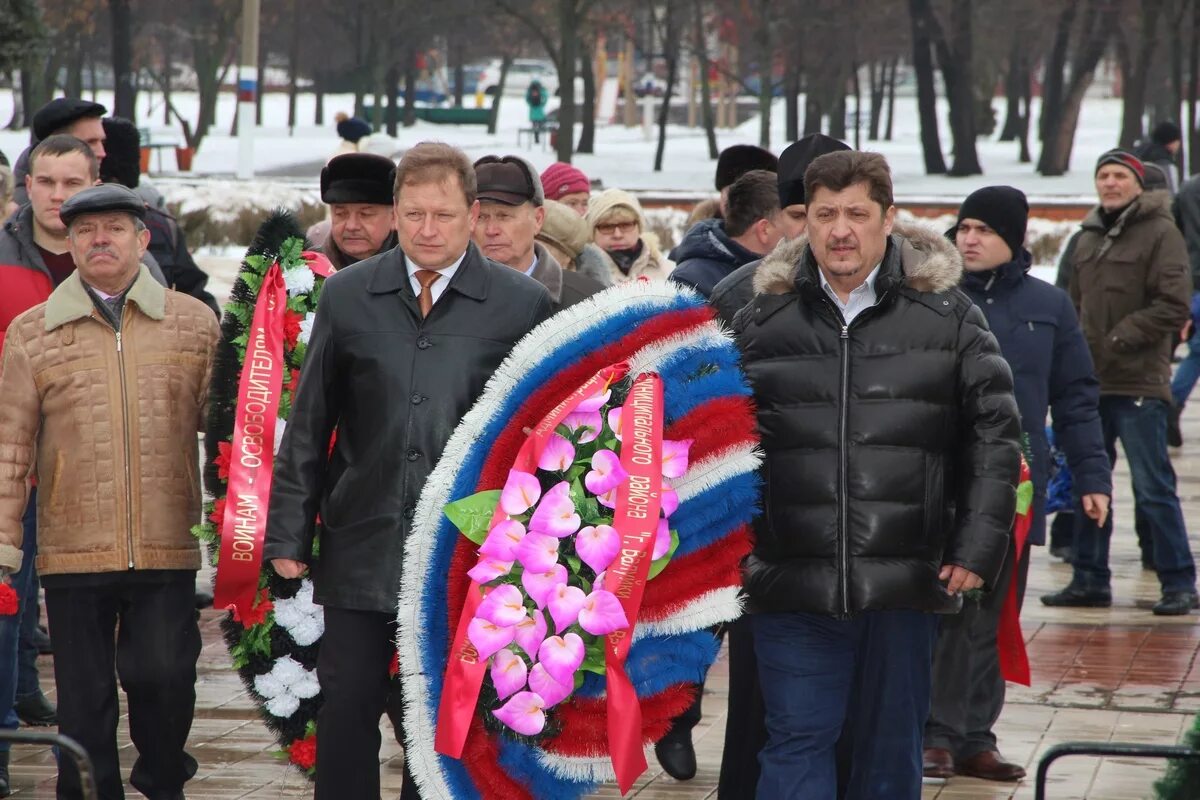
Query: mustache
{"points": [[101, 249]]}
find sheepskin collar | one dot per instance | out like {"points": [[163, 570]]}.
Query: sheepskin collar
{"points": [[925, 260]]}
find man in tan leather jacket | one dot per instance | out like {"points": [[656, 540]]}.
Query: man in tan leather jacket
{"points": [[104, 388]]}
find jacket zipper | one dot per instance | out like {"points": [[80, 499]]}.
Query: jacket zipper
{"points": [[843, 473], [125, 429]]}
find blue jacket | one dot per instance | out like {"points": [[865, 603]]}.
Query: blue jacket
{"points": [[1040, 338], [706, 255]]}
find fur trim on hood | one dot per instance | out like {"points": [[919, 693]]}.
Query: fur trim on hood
{"points": [[930, 262]]}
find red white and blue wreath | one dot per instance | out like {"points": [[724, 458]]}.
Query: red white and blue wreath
{"points": [[613, 454]]}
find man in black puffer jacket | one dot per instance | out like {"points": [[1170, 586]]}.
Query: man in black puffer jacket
{"points": [[891, 439]]}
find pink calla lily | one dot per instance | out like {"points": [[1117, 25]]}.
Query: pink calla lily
{"points": [[488, 569], [557, 455], [662, 540], [521, 491], [602, 613], [538, 585], [564, 602], [509, 673], [675, 457], [488, 637], [550, 690], [670, 501], [592, 422], [593, 403], [560, 656], [614, 421], [531, 632], [606, 473], [523, 713], [608, 499], [597, 545], [556, 514], [502, 540], [503, 606], [538, 551]]}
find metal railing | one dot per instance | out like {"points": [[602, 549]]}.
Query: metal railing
{"points": [[1167, 751], [67, 747]]}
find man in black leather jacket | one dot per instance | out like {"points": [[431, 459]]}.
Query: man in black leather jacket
{"points": [[402, 346], [891, 441]]}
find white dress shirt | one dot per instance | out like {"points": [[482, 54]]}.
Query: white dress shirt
{"points": [[438, 286], [860, 299]]}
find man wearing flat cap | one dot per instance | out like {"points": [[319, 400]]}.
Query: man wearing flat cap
{"points": [[357, 187], [71, 115], [511, 214], [1127, 274], [104, 389]]}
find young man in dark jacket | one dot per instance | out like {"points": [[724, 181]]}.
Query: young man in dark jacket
{"points": [[426, 324], [1040, 339], [891, 442], [1128, 277]]}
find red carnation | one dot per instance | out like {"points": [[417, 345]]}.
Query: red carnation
{"points": [[257, 614], [217, 517], [9, 602], [293, 381], [224, 455], [291, 327], [303, 752], [394, 667]]}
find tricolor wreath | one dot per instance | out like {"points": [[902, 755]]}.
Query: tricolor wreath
{"points": [[274, 635], [531, 473]]}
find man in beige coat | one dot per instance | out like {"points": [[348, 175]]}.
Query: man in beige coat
{"points": [[104, 388]]}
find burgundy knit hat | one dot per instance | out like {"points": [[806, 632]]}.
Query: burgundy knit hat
{"points": [[560, 179], [1124, 159]]}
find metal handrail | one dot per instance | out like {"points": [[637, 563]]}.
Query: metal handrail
{"points": [[1105, 749], [65, 744]]}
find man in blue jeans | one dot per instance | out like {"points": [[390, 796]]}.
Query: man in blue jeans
{"points": [[890, 436], [1128, 278]]}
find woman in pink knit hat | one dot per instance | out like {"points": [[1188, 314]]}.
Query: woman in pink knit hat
{"points": [[568, 185]]}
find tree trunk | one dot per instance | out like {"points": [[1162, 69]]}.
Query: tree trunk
{"points": [[1193, 92], [494, 114], [791, 91], [706, 106], [1134, 88], [460, 72], [766, 50], [568, 25], [392, 80], [891, 100], [813, 111], [587, 134], [1014, 87], [318, 99], [262, 82], [74, 87], [17, 120], [837, 114], [857, 109], [293, 65], [168, 64], [1053, 83], [955, 55], [121, 16], [1025, 156], [876, 73], [671, 40], [410, 87], [931, 145]]}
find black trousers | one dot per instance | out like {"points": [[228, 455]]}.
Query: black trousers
{"points": [[352, 667], [149, 629]]}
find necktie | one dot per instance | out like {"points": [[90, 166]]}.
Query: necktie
{"points": [[426, 277]]}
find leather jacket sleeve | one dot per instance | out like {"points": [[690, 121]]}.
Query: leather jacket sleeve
{"points": [[989, 456], [298, 478], [18, 437]]}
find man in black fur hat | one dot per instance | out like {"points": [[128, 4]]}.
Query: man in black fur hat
{"points": [[80, 118], [357, 187]]}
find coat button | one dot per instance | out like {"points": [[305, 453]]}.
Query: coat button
{"points": [[990, 300], [423, 343], [413, 455], [416, 399]]}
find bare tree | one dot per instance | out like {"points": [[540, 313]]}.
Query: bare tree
{"points": [[1135, 66], [931, 145]]}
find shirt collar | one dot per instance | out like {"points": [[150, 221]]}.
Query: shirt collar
{"points": [[866, 287], [447, 272], [532, 266]]}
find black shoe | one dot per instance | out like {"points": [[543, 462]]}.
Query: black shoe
{"points": [[1078, 598], [677, 756], [204, 598], [1174, 432], [41, 640], [35, 710], [5, 789], [1176, 604]]}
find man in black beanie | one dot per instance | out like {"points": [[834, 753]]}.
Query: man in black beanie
{"points": [[1162, 150], [792, 164], [357, 187], [77, 117], [1039, 335]]}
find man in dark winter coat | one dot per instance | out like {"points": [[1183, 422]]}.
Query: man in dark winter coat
{"points": [[1162, 150], [402, 346], [357, 187], [714, 248], [1128, 277], [511, 214], [1040, 339], [891, 443]]}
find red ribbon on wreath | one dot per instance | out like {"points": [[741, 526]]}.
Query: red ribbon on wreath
{"points": [[253, 454]]}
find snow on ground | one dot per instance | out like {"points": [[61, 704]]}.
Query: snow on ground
{"points": [[624, 156]]}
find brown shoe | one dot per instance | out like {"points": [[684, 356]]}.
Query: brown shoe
{"points": [[938, 763], [990, 766]]}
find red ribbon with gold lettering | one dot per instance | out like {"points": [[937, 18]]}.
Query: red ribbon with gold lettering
{"points": [[464, 672], [1010, 642], [639, 500], [253, 455]]}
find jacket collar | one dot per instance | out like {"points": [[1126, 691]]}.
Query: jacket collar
{"points": [[1144, 206], [70, 300], [20, 227], [917, 257], [1005, 275], [391, 274], [548, 272]]}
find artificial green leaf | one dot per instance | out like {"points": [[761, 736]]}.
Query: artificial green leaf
{"points": [[661, 564], [593, 658], [472, 515], [574, 563], [1024, 496]]}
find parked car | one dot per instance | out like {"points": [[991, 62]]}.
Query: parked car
{"points": [[521, 73]]}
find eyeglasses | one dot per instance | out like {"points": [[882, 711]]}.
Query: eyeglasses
{"points": [[609, 228]]}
